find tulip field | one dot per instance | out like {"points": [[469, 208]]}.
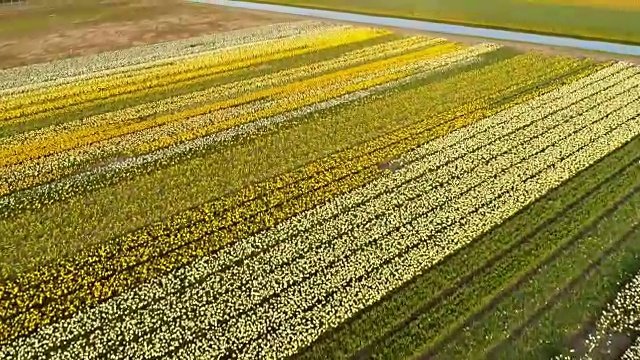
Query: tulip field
{"points": [[312, 190]]}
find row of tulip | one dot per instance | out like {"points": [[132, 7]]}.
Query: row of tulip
{"points": [[621, 316], [33, 77], [340, 82], [188, 124], [355, 153], [34, 195], [498, 258], [39, 316], [517, 172], [52, 167], [69, 113], [201, 67], [352, 58]]}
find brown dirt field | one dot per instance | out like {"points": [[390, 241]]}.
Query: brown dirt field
{"points": [[54, 32]]}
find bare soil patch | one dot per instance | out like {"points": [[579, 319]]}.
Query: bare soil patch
{"points": [[53, 32]]}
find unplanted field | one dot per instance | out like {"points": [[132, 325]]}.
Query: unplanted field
{"points": [[317, 190], [45, 30]]}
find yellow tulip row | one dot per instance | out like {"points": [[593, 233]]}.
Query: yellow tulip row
{"points": [[59, 72], [200, 67], [66, 141], [305, 94], [367, 54], [176, 103], [194, 63], [201, 231]]}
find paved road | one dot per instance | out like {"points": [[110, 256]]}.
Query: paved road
{"points": [[437, 27]]}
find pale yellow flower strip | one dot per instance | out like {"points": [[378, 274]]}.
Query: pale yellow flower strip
{"points": [[37, 87], [62, 142], [199, 67], [57, 72], [218, 93], [49, 168]]}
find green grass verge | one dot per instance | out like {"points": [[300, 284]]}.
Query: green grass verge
{"points": [[581, 22], [438, 285], [578, 284]]}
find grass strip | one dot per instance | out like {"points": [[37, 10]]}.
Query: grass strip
{"points": [[391, 312], [579, 283]]}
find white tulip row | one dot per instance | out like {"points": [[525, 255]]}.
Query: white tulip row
{"points": [[21, 79], [633, 352], [54, 163], [295, 316], [546, 104], [193, 275], [622, 315]]}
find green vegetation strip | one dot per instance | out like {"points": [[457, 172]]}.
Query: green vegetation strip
{"points": [[582, 278], [439, 283], [554, 18]]}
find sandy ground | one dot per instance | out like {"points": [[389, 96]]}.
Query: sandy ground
{"points": [[128, 24]]}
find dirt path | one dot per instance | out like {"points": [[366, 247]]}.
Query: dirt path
{"points": [[48, 32]]}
